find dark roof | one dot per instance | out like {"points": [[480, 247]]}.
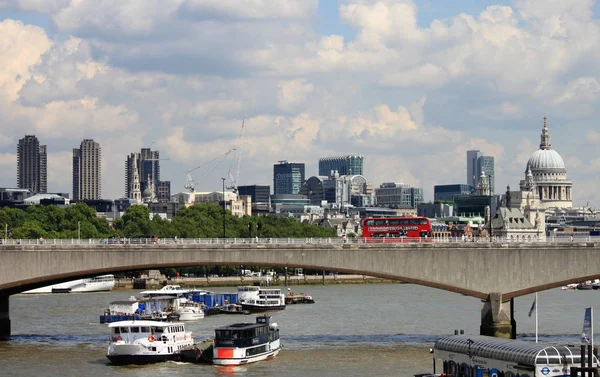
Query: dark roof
{"points": [[241, 326], [516, 351]]}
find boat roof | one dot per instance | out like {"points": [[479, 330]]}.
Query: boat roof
{"points": [[241, 326], [144, 323], [123, 302], [517, 351]]}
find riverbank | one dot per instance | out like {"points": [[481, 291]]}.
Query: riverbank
{"points": [[234, 281]]}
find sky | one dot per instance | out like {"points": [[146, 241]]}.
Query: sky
{"points": [[411, 85]]}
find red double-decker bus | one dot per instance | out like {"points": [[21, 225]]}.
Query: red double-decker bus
{"points": [[396, 227]]}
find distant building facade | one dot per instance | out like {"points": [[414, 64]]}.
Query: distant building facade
{"points": [[476, 163], [447, 192], [338, 191], [397, 195], [147, 163], [258, 193], [87, 171], [351, 164], [435, 210], [32, 165], [288, 177]]}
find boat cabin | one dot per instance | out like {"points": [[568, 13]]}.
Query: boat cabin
{"points": [[484, 356], [243, 335], [130, 331]]}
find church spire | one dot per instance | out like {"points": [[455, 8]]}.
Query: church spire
{"points": [[545, 137]]}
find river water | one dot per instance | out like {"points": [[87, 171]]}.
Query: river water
{"points": [[351, 330]]}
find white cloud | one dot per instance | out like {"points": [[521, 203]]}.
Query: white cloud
{"points": [[412, 98], [291, 93]]}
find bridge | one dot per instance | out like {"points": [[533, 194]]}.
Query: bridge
{"points": [[496, 272]]}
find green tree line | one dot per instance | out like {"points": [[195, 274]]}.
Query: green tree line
{"points": [[198, 221]]}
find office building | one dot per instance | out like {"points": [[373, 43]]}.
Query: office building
{"points": [[398, 195], [163, 191], [288, 177], [476, 163], [472, 158], [147, 163], [87, 172], [258, 193], [446, 193], [32, 165], [344, 165]]}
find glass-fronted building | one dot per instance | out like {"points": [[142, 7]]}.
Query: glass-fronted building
{"points": [[446, 193], [351, 164], [258, 193], [288, 177]]}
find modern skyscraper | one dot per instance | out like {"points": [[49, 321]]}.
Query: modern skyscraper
{"points": [[287, 177], [476, 162], [485, 164], [351, 164], [32, 169], [472, 176], [87, 173], [148, 167]]}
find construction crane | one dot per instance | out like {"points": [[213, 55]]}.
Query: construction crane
{"points": [[190, 184], [237, 159]]}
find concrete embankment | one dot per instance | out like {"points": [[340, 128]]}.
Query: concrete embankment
{"points": [[234, 281]]}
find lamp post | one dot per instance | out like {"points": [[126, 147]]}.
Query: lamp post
{"points": [[223, 207]]}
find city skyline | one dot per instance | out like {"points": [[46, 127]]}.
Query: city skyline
{"points": [[409, 85]]}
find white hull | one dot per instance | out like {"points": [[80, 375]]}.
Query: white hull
{"points": [[80, 285], [249, 360], [187, 316]]}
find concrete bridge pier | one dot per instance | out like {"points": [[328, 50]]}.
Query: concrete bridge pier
{"points": [[4, 318], [495, 321]]}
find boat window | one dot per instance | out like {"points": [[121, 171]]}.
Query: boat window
{"points": [[124, 330], [135, 329], [145, 329], [157, 330], [116, 330]]}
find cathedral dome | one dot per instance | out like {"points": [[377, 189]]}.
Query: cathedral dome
{"points": [[546, 159]]}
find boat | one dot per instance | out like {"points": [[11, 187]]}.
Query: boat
{"points": [[172, 291], [298, 298], [190, 311], [94, 284], [257, 299], [147, 342], [245, 343], [476, 355], [233, 309]]}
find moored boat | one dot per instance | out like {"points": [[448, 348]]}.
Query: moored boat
{"points": [[476, 355], [298, 298], [244, 343], [146, 342], [257, 299], [94, 284], [190, 311]]}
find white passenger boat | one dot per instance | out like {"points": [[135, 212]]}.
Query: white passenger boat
{"points": [[190, 311], [244, 343], [146, 342], [257, 299], [173, 291], [94, 284], [476, 355]]}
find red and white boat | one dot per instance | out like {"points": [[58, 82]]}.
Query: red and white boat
{"points": [[245, 343]]}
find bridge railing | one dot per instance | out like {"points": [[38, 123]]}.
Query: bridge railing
{"points": [[306, 240]]}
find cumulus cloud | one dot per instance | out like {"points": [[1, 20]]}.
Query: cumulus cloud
{"points": [[410, 97]]}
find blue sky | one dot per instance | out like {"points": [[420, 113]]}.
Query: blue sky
{"points": [[411, 85]]}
